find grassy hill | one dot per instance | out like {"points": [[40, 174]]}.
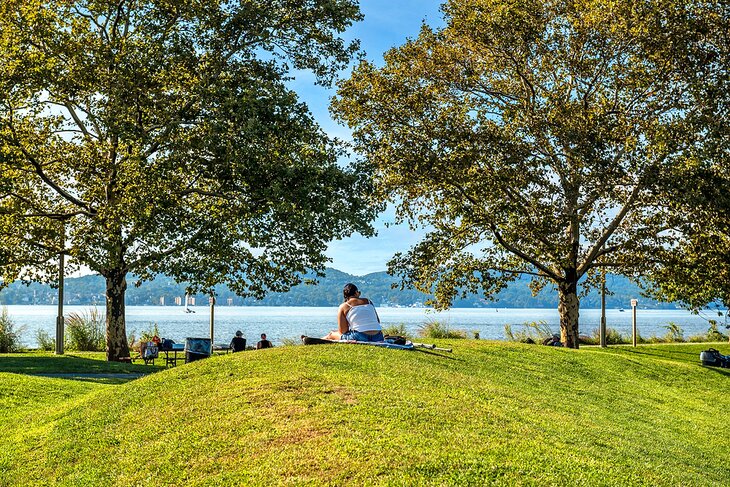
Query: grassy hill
{"points": [[490, 413]]}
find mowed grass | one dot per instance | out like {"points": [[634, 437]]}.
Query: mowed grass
{"points": [[490, 413], [35, 362]]}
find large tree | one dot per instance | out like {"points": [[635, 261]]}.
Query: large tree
{"points": [[695, 270], [148, 136], [531, 137]]}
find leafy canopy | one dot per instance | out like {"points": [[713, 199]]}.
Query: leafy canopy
{"points": [[162, 134], [534, 138]]}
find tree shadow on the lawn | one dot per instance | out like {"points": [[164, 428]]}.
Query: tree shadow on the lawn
{"points": [[71, 364], [684, 357], [437, 353]]}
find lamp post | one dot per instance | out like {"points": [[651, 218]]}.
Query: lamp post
{"points": [[634, 302], [602, 328], [211, 301], [59, 318]]}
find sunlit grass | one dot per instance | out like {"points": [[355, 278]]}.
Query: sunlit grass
{"points": [[490, 413]]}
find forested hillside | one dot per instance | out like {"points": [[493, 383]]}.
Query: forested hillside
{"points": [[328, 292]]}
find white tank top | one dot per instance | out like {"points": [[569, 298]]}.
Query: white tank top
{"points": [[363, 318]]}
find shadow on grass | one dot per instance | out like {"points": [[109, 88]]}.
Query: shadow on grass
{"points": [[438, 354], [109, 379], [680, 356], [33, 364], [725, 372]]}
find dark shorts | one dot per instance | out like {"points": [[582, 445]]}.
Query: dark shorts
{"points": [[363, 337]]}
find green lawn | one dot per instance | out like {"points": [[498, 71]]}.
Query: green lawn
{"points": [[490, 413], [70, 363]]}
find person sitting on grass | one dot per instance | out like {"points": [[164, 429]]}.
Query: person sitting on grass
{"points": [[356, 318], [238, 344], [264, 343]]}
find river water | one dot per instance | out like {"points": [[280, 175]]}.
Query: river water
{"points": [[281, 323]]}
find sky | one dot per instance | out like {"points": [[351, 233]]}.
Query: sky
{"points": [[387, 23]]}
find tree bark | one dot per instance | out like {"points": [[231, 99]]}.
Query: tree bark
{"points": [[116, 333], [568, 308]]}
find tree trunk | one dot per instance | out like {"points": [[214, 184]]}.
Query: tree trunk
{"points": [[116, 332], [568, 307]]}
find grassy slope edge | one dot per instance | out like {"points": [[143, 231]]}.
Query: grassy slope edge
{"points": [[494, 413]]}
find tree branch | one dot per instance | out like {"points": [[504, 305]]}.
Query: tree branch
{"points": [[610, 229], [528, 258]]}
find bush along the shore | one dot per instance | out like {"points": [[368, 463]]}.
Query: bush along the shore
{"points": [[530, 332], [396, 330], [86, 331], [9, 333], [45, 341], [538, 332], [435, 330]]}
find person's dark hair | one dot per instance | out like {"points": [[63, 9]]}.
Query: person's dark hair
{"points": [[349, 291]]}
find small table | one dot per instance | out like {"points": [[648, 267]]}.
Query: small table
{"points": [[171, 354]]}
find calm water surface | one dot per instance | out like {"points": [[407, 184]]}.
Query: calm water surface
{"points": [[290, 322]]}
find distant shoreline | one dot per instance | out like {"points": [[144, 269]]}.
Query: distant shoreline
{"points": [[205, 307]]}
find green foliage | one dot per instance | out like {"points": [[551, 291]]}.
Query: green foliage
{"points": [[714, 335], [435, 329], [531, 332], [489, 411], [174, 144], [132, 341], [290, 342], [45, 341], [85, 331], [539, 138], [396, 330], [9, 333], [674, 333], [613, 337], [148, 334]]}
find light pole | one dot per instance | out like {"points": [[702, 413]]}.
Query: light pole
{"points": [[211, 300], [634, 302], [59, 318], [602, 328]]}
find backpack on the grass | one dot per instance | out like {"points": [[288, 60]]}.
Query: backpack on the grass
{"points": [[714, 358], [395, 339]]}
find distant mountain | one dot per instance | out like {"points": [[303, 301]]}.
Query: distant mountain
{"points": [[88, 290]]}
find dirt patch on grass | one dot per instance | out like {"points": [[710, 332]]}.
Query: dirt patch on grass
{"points": [[300, 435], [347, 395]]}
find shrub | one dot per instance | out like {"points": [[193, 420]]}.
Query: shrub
{"points": [[613, 337], [45, 340], [674, 333], [149, 334], [435, 329], [86, 331], [531, 332], [397, 330], [290, 342], [594, 339], [9, 334], [714, 335]]}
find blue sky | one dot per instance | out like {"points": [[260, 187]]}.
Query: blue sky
{"points": [[387, 24]]}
